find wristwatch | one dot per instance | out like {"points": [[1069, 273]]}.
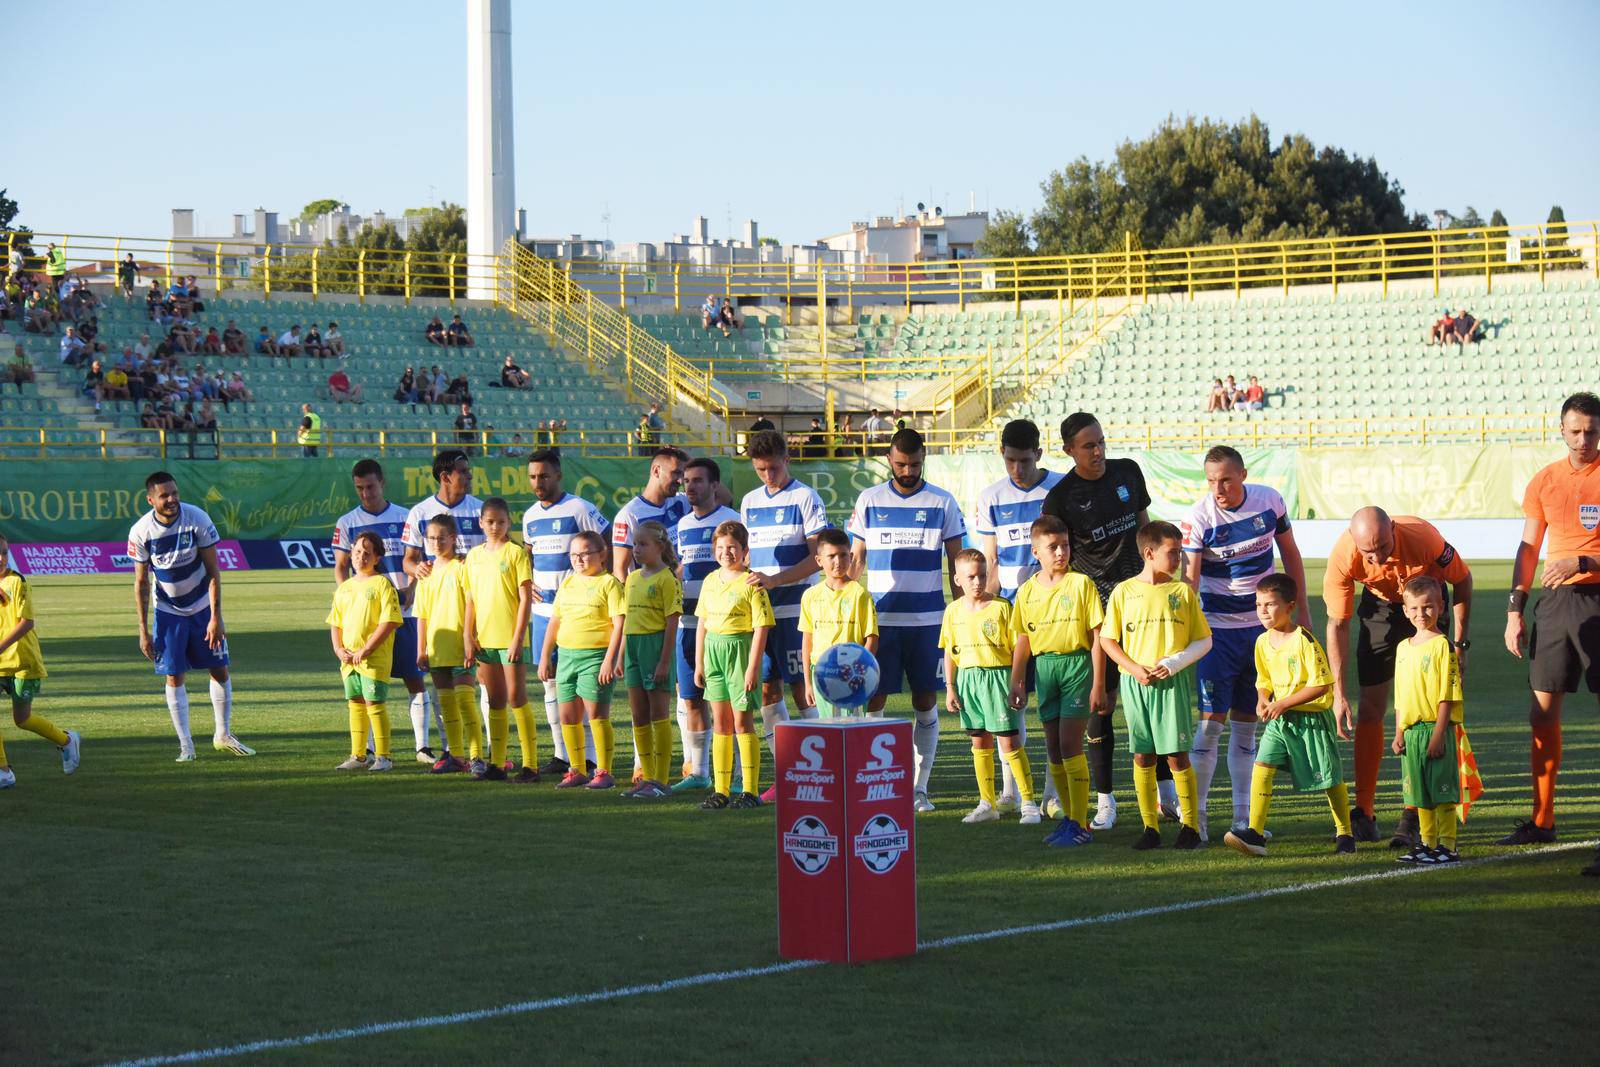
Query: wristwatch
{"points": [[1463, 645]]}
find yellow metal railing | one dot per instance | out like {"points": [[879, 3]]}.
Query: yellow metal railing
{"points": [[608, 340], [269, 269]]}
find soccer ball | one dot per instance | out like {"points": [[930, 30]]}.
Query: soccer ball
{"points": [[846, 676]]}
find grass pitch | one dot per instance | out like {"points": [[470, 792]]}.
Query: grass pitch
{"points": [[155, 908]]}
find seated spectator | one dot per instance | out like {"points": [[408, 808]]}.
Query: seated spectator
{"points": [[710, 316], [513, 376], [1255, 397], [313, 343], [434, 332], [1467, 328], [180, 340], [150, 418], [19, 370], [265, 345], [456, 333], [459, 391], [406, 391], [764, 423], [434, 385], [115, 385], [192, 292], [177, 300], [1214, 397], [333, 340], [341, 389], [145, 379], [212, 344], [728, 317], [206, 418], [93, 380], [466, 426], [515, 448], [71, 347], [236, 390], [153, 301], [816, 446], [233, 339], [1443, 329], [38, 312], [143, 350], [183, 419], [1231, 393], [289, 342]]}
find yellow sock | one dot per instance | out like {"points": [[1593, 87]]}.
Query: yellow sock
{"points": [[722, 762], [662, 728], [1427, 823], [1339, 802], [527, 735], [1058, 778], [750, 760], [471, 720], [38, 724], [1261, 777], [379, 715], [1144, 787], [1444, 817], [1017, 758], [644, 747], [1188, 797], [358, 729], [983, 767], [572, 734], [605, 743], [450, 714], [1077, 793], [499, 735]]}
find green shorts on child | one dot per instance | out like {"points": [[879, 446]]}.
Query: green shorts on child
{"points": [[1428, 783], [727, 661], [1160, 715], [360, 687], [985, 695], [578, 675], [1062, 681], [641, 653], [1305, 742]]}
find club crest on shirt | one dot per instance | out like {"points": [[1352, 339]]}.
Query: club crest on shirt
{"points": [[1589, 516], [1427, 661], [1174, 602], [991, 629], [1123, 494], [1260, 524]]}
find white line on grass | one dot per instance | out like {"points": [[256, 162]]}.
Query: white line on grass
{"points": [[527, 1007]]}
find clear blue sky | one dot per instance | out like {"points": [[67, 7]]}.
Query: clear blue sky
{"points": [[801, 116]]}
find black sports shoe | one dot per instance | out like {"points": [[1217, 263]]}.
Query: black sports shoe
{"points": [[1364, 827], [526, 776], [1344, 845], [1442, 855], [1528, 832], [745, 800], [1408, 831], [1151, 838], [1247, 841], [554, 767], [714, 802], [1188, 839], [1593, 870], [491, 773], [1420, 854]]}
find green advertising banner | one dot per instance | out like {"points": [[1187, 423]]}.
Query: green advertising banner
{"points": [[1435, 481]]}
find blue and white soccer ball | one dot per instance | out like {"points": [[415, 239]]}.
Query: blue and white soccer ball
{"points": [[846, 676]]}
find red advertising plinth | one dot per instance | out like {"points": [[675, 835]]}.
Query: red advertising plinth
{"points": [[847, 840]]}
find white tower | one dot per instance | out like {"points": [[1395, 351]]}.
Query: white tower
{"points": [[491, 184]]}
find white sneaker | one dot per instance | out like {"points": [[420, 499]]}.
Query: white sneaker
{"points": [[1244, 824], [1053, 808], [425, 755], [382, 763], [354, 763], [69, 752], [984, 812], [185, 755], [1170, 809], [920, 801], [231, 745], [1007, 802], [1105, 812], [1030, 814], [8, 778]]}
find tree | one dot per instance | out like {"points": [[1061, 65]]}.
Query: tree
{"points": [[1498, 219], [8, 210], [1557, 253], [318, 208], [1006, 237]]}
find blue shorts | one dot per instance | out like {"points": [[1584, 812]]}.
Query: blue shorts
{"points": [[783, 660], [687, 690], [537, 625], [405, 651], [180, 642], [912, 653], [1226, 676]]}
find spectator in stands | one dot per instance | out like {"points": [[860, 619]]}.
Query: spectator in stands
{"points": [[816, 446], [1214, 397], [94, 380], [192, 291], [19, 370], [39, 313], [436, 385], [456, 333], [127, 276], [728, 317], [515, 448], [265, 345], [459, 391], [205, 420], [466, 427], [179, 339], [289, 342], [313, 343], [309, 433], [333, 340], [658, 425], [178, 298], [1255, 397], [212, 344], [1444, 329], [342, 389], [1467, 328], [15, 264], [709, 316], [898, 421], [236, 389], [150, 418], [116, 385], [143, 350], [434, 332], [513, 376], [89, 331], [849, 438], [644, 438], [405, 392], [1231, 394], [233, 339], [153, 301], [55, 266], [71, 347], [761, 423], [876, 428]]}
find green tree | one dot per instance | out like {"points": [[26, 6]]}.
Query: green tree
{"points": [[1497, 219], [1557, 253], [1005, 237], [317, 208], [8, 210]]}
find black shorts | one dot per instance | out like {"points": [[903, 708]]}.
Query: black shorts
{"points": [[1565, 643], [1383, 625]]}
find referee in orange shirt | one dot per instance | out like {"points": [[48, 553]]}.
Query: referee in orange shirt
{"points": [[1562, 500], [1383, 554]]}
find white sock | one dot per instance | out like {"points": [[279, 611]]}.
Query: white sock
{"points": [[1167, 790], [552, 715], [691, 751], [483, 715], [1008, 781], [221, 706], [698, 746], [419, 718], [588, 742], [1241, 765], [1203, 757], [925, 743], [178, 705], [771, 716], [809, 713]]}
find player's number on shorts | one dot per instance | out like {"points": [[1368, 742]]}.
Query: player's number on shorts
{"points": [[792, 658]]}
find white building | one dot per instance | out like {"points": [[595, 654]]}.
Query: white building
{"points": [[926, 235]]}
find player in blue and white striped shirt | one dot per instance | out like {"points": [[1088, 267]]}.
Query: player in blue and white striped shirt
{"points": [[783, 516], [388, 521], [658, 500], [1005, 511], [548, 527], [1228, 542], [176, 543], [692, 539], [904, 535]]}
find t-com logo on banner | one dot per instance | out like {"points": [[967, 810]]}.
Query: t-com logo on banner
{"points": [[810, 845], [881, 843]]}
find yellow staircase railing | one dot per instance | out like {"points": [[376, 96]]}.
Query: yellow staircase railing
{"points": [[609, 342]]}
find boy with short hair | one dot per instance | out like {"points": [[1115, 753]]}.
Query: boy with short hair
{"points": [[1427, 705], [1155, 632], [978, 644], [1294, 697], [836, 611], [1056, 620], [22, 670]]}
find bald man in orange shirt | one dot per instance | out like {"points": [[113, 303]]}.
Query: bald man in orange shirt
{"points": [[1382, 554], [1562, 500]]}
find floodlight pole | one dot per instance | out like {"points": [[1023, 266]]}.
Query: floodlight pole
{"points": [[491, 181]]}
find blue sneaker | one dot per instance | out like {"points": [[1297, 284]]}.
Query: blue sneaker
{"points": [[1068, 834]]}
